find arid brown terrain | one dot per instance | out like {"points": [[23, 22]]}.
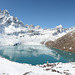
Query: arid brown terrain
{"points": [[66, 42]]}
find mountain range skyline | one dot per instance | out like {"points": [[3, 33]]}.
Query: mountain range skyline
{"points": [[46, 13]]}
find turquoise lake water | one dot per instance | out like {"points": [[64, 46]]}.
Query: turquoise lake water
{"points": [[33, 54]]}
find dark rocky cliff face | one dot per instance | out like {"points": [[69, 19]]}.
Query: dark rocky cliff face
{"points": [[66, 42]]}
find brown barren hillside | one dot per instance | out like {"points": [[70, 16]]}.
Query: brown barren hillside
{"points": [[66, 42]]}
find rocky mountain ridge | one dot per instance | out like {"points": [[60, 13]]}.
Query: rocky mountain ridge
{"points": [[66, 42]]}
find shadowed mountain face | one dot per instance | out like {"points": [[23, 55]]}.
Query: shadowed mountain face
{"points": [[66, 42]]}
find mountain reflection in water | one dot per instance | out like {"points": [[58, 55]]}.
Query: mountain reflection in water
{"points": [[69, 56], [33, 54]]}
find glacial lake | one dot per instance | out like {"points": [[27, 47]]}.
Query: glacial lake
{"points": [[35, 54]]}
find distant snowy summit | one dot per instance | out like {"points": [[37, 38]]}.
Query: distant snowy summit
{"points": [[14, 32]]}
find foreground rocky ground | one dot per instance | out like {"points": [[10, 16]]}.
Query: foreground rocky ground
{"points": [[66, 42], [12, 68]]}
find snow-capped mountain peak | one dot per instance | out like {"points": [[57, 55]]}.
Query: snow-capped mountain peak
{"points": [[59, 26]]}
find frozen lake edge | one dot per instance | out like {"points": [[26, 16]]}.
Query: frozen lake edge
{"points": [[8, 67]]}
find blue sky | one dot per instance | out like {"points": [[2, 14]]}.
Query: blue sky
{"points": [[46, 13]]}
